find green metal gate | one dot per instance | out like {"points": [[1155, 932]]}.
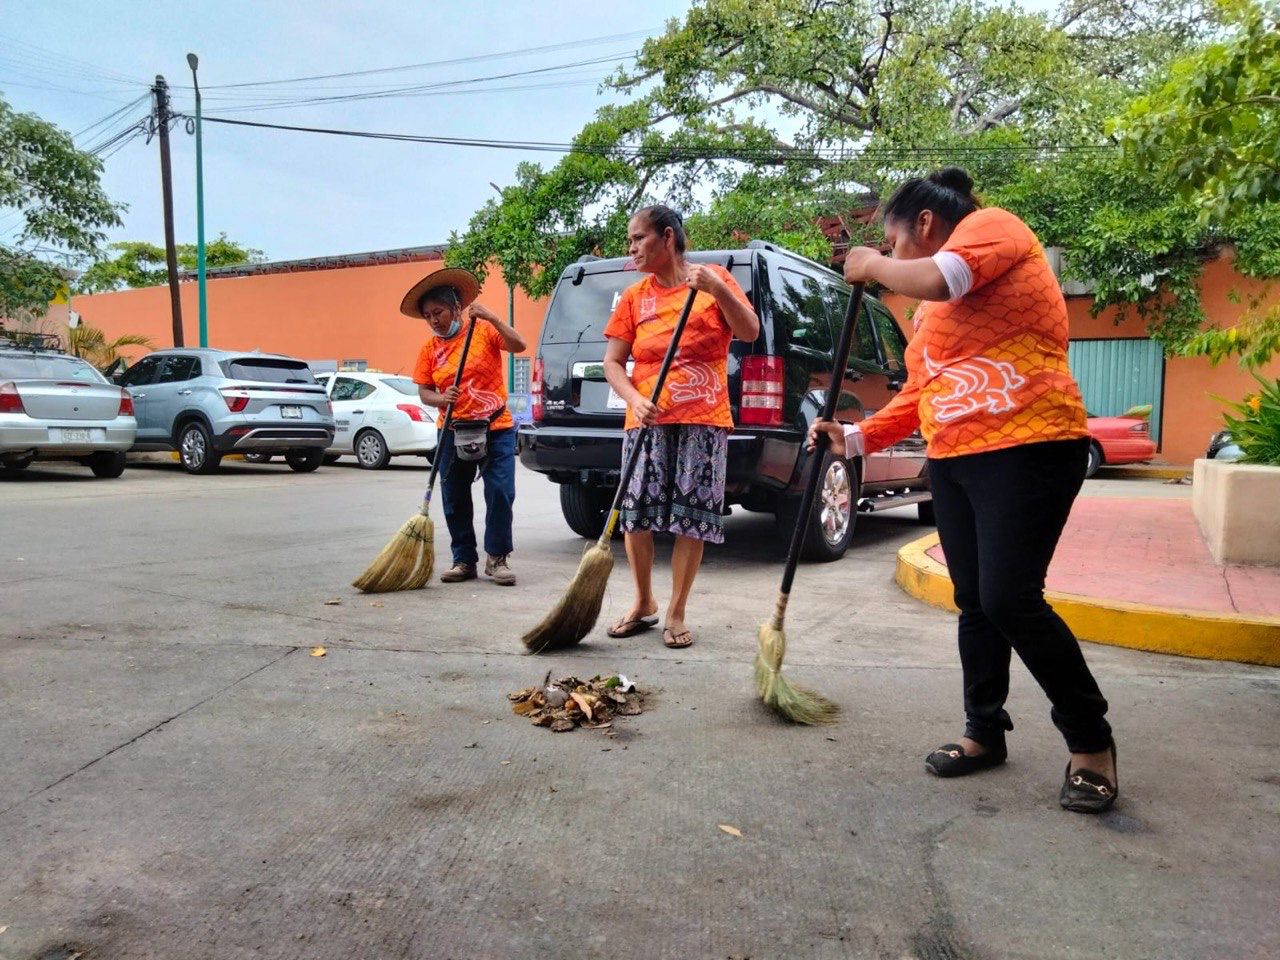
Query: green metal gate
{"points": [[1115, 375]]}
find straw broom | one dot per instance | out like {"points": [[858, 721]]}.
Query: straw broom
{"points": [[573, 617], [409, 558], [792, 702]]}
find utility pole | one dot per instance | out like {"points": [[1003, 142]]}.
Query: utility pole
{"points": [[161, 91], [194, 62]]}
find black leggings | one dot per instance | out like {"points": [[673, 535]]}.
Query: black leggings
{"points": [[999, 516]]}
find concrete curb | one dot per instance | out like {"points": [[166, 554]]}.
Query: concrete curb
{"points": [[1185, 633], [1141, 473]]}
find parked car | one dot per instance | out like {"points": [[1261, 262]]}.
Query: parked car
{"points": [[54, 406], [378, 416], [208, 403], [1116, 440], [776, 388], [1223, 447]]}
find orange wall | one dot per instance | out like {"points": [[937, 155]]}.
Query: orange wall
{"points": [[340, 314], [1191, 412]]}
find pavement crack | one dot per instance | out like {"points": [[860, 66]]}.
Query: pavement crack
{"points": [[152, 729], [1230, 596], [937, 938]]}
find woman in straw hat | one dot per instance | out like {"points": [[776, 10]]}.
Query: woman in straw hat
{"points": [[440, 299]]}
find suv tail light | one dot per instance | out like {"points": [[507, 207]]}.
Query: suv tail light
{"points": [[535, 390], [126, 405], [237, 400], [10, 401], [762, 392], [416, 413]]}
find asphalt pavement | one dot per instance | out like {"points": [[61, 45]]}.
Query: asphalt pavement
{"points": [[179, 777]]}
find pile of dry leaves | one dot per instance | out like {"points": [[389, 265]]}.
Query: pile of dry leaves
{"points": [[569, 702]]}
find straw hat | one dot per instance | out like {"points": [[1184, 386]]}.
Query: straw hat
{"points": [[463, 281]]}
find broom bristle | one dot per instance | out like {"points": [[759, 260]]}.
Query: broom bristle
{"points": [[405, 563], [573, 617], [779, 694]]}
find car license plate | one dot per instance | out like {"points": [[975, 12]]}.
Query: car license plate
{"points": [[291, 413], [615, 402], [76, 436]]}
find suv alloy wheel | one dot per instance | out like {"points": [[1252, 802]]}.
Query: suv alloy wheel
{"points": [[195, 449], [830, 528]]}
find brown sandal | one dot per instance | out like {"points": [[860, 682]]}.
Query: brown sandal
{"points": [[676, 641]]}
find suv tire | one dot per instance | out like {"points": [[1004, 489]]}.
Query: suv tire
{"points": [[16, 464], [371, 450], [305, 461], [835, 512], [585, 508], [107, 463], [195, 449]]}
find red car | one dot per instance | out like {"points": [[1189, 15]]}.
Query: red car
{"points": [[1118, 440]]}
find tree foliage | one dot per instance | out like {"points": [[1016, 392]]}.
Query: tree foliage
{"points": [[92, 344], [140, 264], [54, 189], [746, 104]]}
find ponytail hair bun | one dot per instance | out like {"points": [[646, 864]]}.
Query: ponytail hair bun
{"points": [[947, 193], [953, 178]]}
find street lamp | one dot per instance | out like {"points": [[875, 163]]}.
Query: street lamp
{"points": [[193, 61]]}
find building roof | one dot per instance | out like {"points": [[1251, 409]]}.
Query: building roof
{"points": [[434, 251]]}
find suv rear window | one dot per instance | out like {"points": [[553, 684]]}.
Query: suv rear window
{"points": [[268, 370], [19, 366], [579, 313]]}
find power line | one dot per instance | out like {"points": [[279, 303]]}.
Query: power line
{"points": [[820, 155], [566, 45]]}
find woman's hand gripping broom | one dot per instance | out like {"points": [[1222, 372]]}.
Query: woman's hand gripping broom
{"points": [[792, 702], [573, 617], [408, 560]]}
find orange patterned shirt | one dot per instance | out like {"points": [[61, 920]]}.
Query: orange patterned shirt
{"points": [[697, 387], [484, 387], [989, 370]]}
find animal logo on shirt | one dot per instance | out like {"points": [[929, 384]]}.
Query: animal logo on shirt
{"points": [[485, 400], [979, 384], [699, 383]]}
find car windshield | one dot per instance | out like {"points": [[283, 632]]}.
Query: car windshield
{"points": [[403, 384], [268, 370], [35, 366]]}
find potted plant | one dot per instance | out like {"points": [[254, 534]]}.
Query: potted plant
{"points": [[1237, 504]]}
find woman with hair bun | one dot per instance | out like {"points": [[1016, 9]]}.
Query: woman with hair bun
{"points": [[990, 388], [678, 484]]}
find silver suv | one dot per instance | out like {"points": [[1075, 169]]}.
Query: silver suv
{"points": [[208, 403]]}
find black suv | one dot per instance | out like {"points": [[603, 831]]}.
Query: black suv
{"points": [[776, 387]]}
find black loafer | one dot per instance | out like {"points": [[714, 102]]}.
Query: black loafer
{"points": [[1087, 791], [950, 760]]}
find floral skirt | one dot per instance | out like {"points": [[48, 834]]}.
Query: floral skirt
{"points": [[678, 484]]}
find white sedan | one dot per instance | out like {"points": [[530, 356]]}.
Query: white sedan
{"points": [[378, 416]]}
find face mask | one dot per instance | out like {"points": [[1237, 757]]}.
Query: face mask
{"points": [[453, 329]]}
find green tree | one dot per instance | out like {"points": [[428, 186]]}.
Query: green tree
{"points": [[745, 103], [55, 191], [1213, 130], [140, 264], [92, 344]]}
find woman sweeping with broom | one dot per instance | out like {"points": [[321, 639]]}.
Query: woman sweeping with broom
{"points": [[990, 388], [678, 483], [481, 435]]}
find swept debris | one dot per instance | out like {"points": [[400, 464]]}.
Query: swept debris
{"points": [[564, 704]]}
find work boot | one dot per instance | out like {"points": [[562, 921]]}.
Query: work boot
{"points": [[496, 569], [459, 572]]}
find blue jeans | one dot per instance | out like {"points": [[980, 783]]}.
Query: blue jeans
{"points": [[498, 471]]}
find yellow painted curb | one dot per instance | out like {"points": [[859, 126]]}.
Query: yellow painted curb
{"points": [[1186, 633]]}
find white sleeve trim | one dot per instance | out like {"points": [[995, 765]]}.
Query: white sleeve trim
{"points": [[855, 443], [956, 272]]}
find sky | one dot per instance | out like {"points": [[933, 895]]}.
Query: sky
{"points": [[293, 195]]}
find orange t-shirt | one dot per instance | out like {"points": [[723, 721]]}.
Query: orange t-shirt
{"points": [[483, 389], [989, 370], [697, 387]]}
